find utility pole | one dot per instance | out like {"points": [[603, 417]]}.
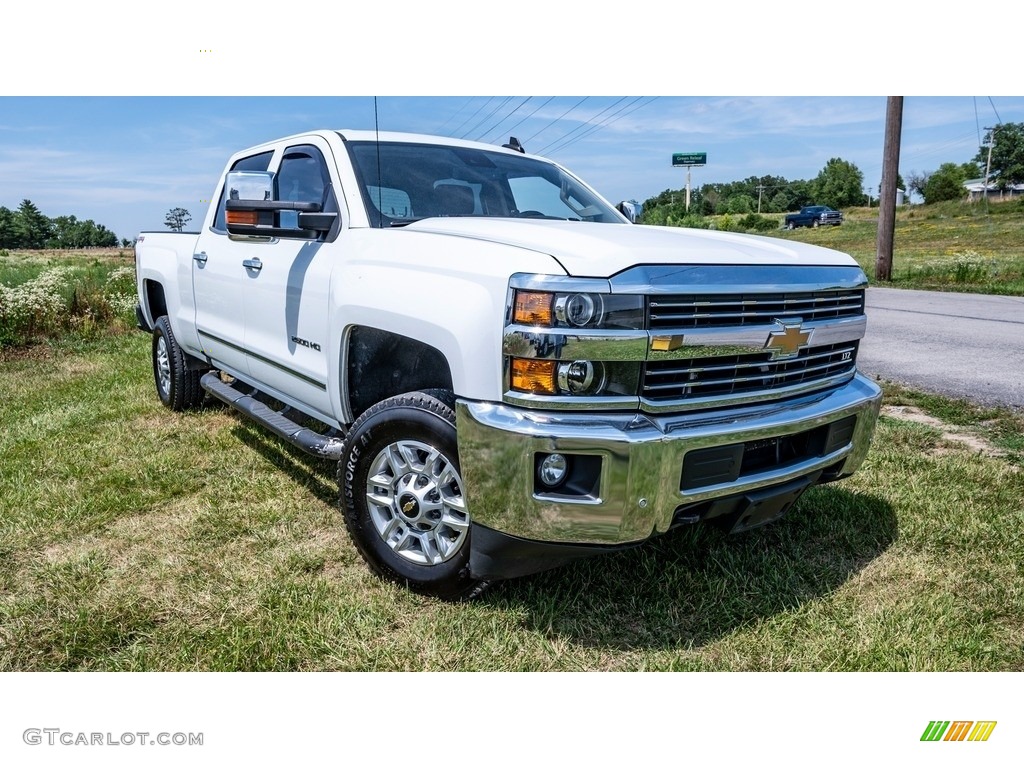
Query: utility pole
{"points": [[988, 164], [760, 189], [887, 192]]}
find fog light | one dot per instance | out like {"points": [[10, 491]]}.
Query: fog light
{"points": [[552, 470]]}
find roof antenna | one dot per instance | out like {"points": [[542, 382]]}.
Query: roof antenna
{"points": [[513, 143]]}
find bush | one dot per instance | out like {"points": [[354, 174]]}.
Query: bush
{"points": [[58, 301], [34, 308], [755, 222], [724, 224]]}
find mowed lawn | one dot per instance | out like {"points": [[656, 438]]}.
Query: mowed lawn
{"points": [[948, 246], [133, 538]]}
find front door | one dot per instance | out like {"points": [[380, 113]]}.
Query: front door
{"points": [[286, 299]]}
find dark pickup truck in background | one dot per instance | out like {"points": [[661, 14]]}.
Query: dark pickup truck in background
{"points": [[814, 216]]}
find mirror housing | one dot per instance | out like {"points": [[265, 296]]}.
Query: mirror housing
{"points": [[251, 211]]}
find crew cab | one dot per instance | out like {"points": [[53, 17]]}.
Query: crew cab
{"points": [[814, 216], [508, 373]]}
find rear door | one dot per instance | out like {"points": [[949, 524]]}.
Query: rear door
{"points": [[220, 281]]}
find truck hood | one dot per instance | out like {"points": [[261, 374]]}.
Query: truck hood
{"points": [[602, 250]]}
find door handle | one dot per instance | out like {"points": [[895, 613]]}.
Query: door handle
{"points": [[254, 264], [200, 257]]}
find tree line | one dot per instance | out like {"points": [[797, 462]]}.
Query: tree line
{"points": [[28, 227], [839, 185]]}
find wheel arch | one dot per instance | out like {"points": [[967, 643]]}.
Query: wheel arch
{"points": [[156, 300], [377, 364]]}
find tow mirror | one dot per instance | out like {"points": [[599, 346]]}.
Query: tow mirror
{"points": [[251, 210]]}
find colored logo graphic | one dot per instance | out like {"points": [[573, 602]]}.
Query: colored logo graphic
{"points": [[958, 730]]}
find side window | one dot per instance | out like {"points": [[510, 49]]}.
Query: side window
{"points": [[303, 175], [258, 162], [303, 178]]}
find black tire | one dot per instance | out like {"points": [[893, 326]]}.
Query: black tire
{"points": [[790, 225], [176, 385], [417, 531], [814, 224]]}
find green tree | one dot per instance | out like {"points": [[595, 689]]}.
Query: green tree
{"points": [[32, 226], [840, 184], [177, 218], [779, 202], [8, 233], [1007, 154], [740, 203], [946, 183]]}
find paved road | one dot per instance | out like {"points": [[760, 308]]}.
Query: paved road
{"points": [[957, 344]]}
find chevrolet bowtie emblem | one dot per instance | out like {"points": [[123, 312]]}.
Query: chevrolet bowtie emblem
{"points": [[666, 343], [788, 342], [409, 506]]}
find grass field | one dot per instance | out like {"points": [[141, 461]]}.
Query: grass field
{"points": [[133, 538], [949, 246]]}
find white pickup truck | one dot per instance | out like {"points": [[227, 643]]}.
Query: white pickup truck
{"points": [[509, 374]]}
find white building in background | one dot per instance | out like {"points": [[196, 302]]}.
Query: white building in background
{"points": [[976, 190]]}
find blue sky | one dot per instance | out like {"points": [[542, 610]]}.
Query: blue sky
{"points": [[124, 161]]}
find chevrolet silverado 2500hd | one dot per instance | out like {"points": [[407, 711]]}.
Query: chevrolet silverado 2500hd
{"points": [[507, 372]]}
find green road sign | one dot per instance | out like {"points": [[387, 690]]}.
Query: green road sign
{"points": [[690, 158]]}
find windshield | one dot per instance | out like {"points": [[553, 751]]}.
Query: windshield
{"points": [[418, 181]]}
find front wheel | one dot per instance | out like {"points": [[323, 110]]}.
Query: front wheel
{"points": [[814, 224], [402, 495]]}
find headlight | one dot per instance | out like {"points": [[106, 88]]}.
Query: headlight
{"points": [[578, 310]]}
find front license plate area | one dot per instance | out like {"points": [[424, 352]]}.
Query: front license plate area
{"points": [[756, 508]]}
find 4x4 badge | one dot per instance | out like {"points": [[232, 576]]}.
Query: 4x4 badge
{"points": [[788, 342]]}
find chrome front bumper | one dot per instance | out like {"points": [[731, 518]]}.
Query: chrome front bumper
{"points": [[641, 459]]}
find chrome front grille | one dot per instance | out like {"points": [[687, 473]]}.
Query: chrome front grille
{"points": [[722, 310], [719, 377]]}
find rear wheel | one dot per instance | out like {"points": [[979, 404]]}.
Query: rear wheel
{"points": [[402, 495], [177, 385], [790, 225]]}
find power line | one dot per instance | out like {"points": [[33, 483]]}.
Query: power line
{"points": [[488, 116], [995, 110], [570, 109], [538, 109], [614, 117], [977, 122], [506, 117], [478, 111], [581, 126], [456, 114]]}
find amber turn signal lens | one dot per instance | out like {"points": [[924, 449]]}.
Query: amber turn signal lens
{"points": [[532, 308], [534, 376], [249, 218]]}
